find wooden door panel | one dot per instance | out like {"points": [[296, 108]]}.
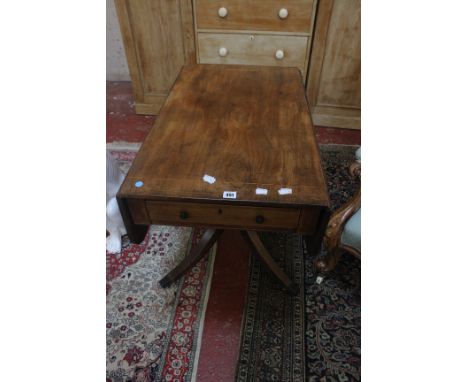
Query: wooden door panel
{"points": [[340, 83], [334, 77], [158, 41]]}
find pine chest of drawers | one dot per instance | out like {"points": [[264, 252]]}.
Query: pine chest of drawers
{"points": [[319, 37], [247, 32]]}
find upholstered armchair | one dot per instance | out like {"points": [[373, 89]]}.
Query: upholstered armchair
{"points": [[343, 233]]}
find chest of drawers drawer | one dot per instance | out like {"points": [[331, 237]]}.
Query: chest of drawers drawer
{"points": [[263, 15], [219, 215], [252, 49]]}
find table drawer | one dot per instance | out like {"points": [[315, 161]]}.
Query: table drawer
{"points": [[264, 15], [219, 215], [254, 49]]}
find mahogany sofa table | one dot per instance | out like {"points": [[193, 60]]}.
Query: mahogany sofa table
{"points": [[233, 148]]}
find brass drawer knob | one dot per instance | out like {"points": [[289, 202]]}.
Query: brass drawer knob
{"points": [[259, 219], [183, 215]]}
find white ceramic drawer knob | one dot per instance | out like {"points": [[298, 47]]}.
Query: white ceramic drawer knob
{"points": [[283, 13], [223, 51], [279, 54], [222, 12]]}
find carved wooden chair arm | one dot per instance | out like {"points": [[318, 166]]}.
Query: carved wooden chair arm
{"points": [[355, 169], [339, 218], [334, 231]]}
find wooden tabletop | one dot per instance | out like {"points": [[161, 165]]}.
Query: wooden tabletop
{"points": [[247, 127]]}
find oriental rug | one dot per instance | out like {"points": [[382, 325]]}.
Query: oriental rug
{"points": [[153, 334], [314, 336]]}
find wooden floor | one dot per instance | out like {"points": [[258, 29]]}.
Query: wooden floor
{"points": [[223, 319]]}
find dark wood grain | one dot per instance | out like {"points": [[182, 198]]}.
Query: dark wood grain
{"points": [[257, 247], [136, 232], [218, 215], [314, 241], [206, 242], [247, 126]]}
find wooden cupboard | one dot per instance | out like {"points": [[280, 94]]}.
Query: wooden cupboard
{"points": [[334, 83], [158, 38], [319, 37]]}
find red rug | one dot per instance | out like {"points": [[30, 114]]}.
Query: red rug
{"points": [[154, 334]]}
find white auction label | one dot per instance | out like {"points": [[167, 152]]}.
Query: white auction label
{"points": [[261, 191], [230, 194], [209, 179]]}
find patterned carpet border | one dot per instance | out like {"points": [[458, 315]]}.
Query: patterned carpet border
{"points": [[200, 324], [314, 337], [171, 345], [159, 337], [266, 342]]}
